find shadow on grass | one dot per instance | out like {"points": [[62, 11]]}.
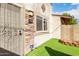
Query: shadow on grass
{"points": [[53, 52]]}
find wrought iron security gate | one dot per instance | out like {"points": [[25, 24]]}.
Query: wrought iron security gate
{"points": [[10, 30]]}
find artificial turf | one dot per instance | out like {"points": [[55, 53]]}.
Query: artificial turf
{"points": [[54, 48]]}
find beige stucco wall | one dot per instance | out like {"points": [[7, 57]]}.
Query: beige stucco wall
{"points": [[41, 38], [29, 6], [38, 11], [55, 26]]}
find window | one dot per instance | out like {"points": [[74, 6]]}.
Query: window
{"points": [[41, 23], [43, 7], [45, 24]]}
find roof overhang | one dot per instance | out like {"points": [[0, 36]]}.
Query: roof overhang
{"points": [[61, 16]]}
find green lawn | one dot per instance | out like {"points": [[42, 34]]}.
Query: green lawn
{"points": [[54, 48]]}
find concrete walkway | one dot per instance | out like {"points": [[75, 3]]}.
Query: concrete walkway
{"points": [[4, 52], [40, 39]]}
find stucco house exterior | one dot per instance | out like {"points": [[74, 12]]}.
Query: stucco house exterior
{"points": [[25, 26], [46, 25]]}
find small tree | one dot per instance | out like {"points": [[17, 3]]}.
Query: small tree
{"points": [[72, 21], [66, 14]]}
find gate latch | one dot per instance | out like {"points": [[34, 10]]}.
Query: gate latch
{"points": [[20, 33]]}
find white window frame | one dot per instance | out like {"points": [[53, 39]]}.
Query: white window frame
{"points": [[42, 25]]}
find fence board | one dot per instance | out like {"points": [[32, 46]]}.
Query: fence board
{"points": [[76, 32], [70, 32]]}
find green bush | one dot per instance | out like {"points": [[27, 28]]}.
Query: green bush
{"points": [[72, 20]]}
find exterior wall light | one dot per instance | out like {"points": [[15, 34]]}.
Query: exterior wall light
{"points": [[30, 13]]}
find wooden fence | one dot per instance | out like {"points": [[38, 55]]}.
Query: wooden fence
{"points": [[70, 33]]}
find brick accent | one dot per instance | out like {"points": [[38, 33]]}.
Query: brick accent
{"points": [[29, 33]]}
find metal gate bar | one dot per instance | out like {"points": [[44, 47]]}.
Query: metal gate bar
{"points": [[9, 27]]}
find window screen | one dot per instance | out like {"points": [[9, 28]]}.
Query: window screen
{"points": [[39, 23]]}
